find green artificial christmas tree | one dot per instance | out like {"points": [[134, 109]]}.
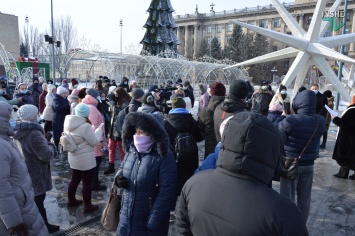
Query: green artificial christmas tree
{"points": [[160, 34]]}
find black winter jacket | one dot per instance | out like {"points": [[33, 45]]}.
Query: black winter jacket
{"points": [[134, 105], [207, 124]]}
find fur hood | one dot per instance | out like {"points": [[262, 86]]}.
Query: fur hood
{"points": [[148, 123]]}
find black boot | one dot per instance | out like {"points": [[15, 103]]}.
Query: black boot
{"points": [[110, 169], [325, 136], [52, 228]]}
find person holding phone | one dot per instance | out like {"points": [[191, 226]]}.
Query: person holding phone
{"points": [[82, 161], [278, 104]]}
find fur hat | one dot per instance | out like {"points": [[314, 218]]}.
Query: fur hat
{"points": [[27, 112], [148, 124], [73, 98], [150, 99], [218, 89], [61, 90], [178, 103], [239, 88], [82, 110], [137, 93], [92, 92]]}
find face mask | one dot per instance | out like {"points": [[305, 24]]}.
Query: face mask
{"points": [[142, 143], [264, 87], [98, 98], [1, 92], [283, 92], [38, 119], [103, 98], [75, 86], [23, 91], [12, 123], [184, 88], [315, 91], [125, 82]]}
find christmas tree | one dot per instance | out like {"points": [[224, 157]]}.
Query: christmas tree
{"points": [[160, 34]]}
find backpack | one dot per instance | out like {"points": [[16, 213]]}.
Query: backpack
{"points": [[67, 142], [185, 146], [120, 119]]}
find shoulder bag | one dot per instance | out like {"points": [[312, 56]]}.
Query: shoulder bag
{"points": [[110, 215], [288, 166]]}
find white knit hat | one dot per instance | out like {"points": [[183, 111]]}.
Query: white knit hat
{"points": [[27, 112], [61, 90]]}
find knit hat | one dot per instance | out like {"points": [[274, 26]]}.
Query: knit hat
{"points": [[35, 79], [21, 85], [64, 81], [74, 82], [110, 90], [218, 89], [153, 88], [179, 81], [61, 90], [92, 92], [178, 103], [282, 88], [27, 112], [137, 93], [239, 88], [82, 110], [44, 86], [186, 83]]}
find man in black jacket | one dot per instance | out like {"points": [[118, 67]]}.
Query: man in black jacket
{"points": [[238, 90], [234, 198], [189, 92], [136, 102]]}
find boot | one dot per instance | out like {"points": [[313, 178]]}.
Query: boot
{"points": [[110, 169], [98, 187], [325, 136], [52, 228], [90, 208], [74, 202]]}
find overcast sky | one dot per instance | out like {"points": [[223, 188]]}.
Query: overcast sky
{"points": [[99, 20]]}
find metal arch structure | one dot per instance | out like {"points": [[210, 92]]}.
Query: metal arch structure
{"points": [[148, 69], [11, 69]]}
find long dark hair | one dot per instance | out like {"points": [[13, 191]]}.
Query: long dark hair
{"points": [[121, 96]]}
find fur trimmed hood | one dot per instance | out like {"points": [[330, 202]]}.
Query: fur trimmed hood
{"points": [[149, 124]]}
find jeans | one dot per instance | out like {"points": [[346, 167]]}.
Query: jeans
{"points": [[77, 176], [302, 186], [112, 145]]}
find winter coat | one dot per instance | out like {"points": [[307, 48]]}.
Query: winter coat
{"points": [[48, 110], [204, 98], [106, 88], [147, 201], [207, 124], [125, 86], [276, 107], [190, 93], [183, 122], [26, 99], [229, 107], [96, 119], [265, 98], [321, 101], [115, 109], [38, 154], [105, 110], [134, 105], [11, 102], [153, 110], [210, 161], [16, 196], [36, 90], [299, 127], [84, 136], [330, 103], [236, 199], [344, 150], [42, 101], [61, 108]]}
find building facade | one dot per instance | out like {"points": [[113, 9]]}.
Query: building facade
{"points": [[193, 28], [9, 37]]}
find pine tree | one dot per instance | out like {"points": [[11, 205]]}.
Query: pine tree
{"points": [[260, 71], [203, 49], [234, 47], [216, 50], [23, 50], [160, 26]]}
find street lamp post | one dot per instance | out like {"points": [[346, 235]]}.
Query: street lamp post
{"points": [[212, 14], [27, 39], [273, 71], [53, 62], [121, 25]]}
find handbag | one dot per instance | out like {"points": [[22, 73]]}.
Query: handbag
{"points": [[288, 166], [110, 215]]}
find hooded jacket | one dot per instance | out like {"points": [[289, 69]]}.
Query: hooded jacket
{"points": [[250, 148], [299, 127], [36, 90], [16, 196], [61, 108], [206, 123], [204, 98], [38, 154], [84, 136], [229, 107], [151, 176], [26, 98], [48, 110]]}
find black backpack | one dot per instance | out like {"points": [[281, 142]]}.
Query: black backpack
{"points": [[185, 146]]}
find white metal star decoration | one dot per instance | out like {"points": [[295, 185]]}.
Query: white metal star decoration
{"points": [[308, 47]]}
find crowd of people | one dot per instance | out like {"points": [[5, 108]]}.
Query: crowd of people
{"points": [[245, 134]]}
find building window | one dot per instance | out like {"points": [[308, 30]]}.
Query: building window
{"points": [[209, 29], [219, 28], [263, 24], [277, 23], [219, 40], [229, 38], [348, 17], [286, 64], [309, 19], [251, 22], [230, 27], [327, 33]]}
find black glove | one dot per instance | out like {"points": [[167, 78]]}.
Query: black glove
{"points": [[49, 136], [20, 229], [122, 182]]}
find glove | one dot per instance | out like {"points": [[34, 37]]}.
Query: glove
{"points": [[20, 229], [122, 182], [49, 136]]}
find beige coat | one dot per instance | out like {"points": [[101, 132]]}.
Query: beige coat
{"points": [[83, 158]]}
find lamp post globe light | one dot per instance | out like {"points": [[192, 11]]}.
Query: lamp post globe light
{"points": [[212, 14]]}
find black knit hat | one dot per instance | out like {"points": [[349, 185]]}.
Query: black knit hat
{"points": [[137, 93], [239, 88]]}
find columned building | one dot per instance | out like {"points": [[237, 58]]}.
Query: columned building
{"points": [[193, 28], [9, 37]]}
